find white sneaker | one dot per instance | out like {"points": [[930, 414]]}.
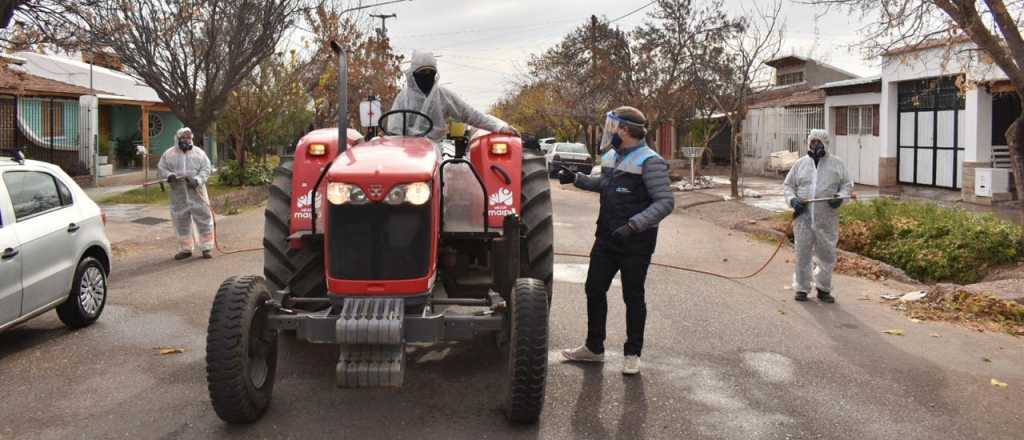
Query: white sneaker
{"points": [[582, 354], [631, 365]]}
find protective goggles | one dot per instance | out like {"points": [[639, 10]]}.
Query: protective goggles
{"points": [[612, 122]]}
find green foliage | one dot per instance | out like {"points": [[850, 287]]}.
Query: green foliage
{"points": [[254, 173], [126, 148], [930, 242]]}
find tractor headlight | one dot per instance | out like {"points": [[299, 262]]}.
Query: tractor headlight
{"points": [[341, 193], [396, 196], [417, 193], [338, 193]]}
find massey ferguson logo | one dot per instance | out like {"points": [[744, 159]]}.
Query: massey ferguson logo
{"points": [[501, 203], [304, 202], [375, 191]]}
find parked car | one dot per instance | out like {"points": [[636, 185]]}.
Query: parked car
{"points": [[54, 253], [573, 156], [546, 144]]}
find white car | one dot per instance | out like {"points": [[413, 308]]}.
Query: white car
{"points": [[570, 155], [54, 253], [546, 144]]}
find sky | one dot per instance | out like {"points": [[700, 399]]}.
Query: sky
{"points": [[483, 45]]}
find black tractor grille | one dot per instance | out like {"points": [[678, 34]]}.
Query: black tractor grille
{"points": [[379, 242]]}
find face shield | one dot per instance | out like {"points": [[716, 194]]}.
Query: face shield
{"points": [[612, 123]]}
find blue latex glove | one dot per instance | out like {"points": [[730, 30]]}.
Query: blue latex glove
{"points": [[565, 176], [798, 207], [623, 232], [835, 203]]}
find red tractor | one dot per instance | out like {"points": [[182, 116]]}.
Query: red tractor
{"points": [[370, 245]]}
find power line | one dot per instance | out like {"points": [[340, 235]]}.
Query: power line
{"points": [[633, 11]]}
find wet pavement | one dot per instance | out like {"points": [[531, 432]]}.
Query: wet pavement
{"points": [[722, 359]]}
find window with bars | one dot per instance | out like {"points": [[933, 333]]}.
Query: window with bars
{"points": [[786, 79], [856, 121]]}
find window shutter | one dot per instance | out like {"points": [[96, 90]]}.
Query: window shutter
{"points": [[841, 121], [874, 122]]}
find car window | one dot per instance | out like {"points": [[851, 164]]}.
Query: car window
{"points": [[32, 193], [65, 194], [572, 148]]}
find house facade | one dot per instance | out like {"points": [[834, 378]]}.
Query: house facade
{"points": [[114, 109], [852, 109], [781, 117], [944, 114]]}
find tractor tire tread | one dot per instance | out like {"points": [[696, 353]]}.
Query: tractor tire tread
{"points": [[234, 307], [300, 269], [528, 351]]}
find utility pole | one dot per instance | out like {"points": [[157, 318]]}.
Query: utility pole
{"points": [[384, 23]]}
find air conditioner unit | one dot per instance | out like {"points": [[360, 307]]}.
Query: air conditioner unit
{"points": [[988, 181]]}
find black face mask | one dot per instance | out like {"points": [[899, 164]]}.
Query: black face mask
{"points": [[184, 145], [425, 79]]}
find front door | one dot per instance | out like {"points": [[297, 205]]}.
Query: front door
{"points": [[931, 133], [10, 270], [44, 227]]}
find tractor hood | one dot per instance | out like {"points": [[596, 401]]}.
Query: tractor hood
{"points": [[386, 160]]}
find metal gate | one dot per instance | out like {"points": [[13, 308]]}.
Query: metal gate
{"points": [[44, 128], [931, 133]]}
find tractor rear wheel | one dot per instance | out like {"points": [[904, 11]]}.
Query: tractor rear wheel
{"points": [[241, 350], [527, 351], [538, 252], [300, 269]]}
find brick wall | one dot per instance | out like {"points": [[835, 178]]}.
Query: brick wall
{"points": [[888, 175]]}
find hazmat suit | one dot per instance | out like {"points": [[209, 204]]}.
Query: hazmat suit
{"points": [[816, 224], [187, 169], [423, 93]]}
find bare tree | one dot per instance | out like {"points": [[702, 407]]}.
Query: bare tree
{"points": [[680, 56], [193, 53], [759, 39], [993, 26], [591, 65]]}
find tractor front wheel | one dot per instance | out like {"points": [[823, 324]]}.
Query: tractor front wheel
{"points": [[527, 351], [241, 350]]}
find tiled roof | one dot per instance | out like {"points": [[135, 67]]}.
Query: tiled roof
{"points": [[788, 97], [20, 82]]}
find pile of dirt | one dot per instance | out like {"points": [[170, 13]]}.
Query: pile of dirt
{"points": [[968, 306]]}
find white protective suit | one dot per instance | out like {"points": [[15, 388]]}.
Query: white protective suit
{"points": [[439, 105], [188, 204], [816, 231]]}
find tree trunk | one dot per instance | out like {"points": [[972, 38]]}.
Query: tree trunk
{"points": [[1014, 137]]}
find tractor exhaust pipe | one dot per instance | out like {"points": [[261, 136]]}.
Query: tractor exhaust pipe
{"points": [[342, 96]]}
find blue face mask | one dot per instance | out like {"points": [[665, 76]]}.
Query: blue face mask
{"points": [[616, 141]]}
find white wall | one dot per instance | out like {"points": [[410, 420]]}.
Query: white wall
{"points": [[978, 126]]}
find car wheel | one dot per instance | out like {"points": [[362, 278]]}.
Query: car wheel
{"points": [[88, 295]]}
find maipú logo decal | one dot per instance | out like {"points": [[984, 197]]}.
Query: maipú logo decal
{"points": [[304, 202], [501, 203]]}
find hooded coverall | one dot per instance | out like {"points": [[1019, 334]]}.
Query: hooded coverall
{"points": [[438, 104], [816, 231], [189, 205]]}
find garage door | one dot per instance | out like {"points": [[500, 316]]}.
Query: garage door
{"points": [[931, 133]]}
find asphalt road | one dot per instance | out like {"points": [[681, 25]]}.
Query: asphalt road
{"points": [[724, 359]]}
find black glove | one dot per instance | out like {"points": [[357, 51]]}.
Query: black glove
{"points": [[565, 176], [171, 178], [623, 232], [836, 202], [798, 207], [191, 182]]}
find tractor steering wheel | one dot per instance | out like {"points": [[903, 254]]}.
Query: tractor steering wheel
{"points": [[405, 126]]}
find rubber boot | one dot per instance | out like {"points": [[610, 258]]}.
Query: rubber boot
{"points": [[801, 296], [825, 297], [182, 255], [207, 255]]}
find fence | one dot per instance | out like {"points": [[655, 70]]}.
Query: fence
{"points": [[767, 130], [44, 128]]}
